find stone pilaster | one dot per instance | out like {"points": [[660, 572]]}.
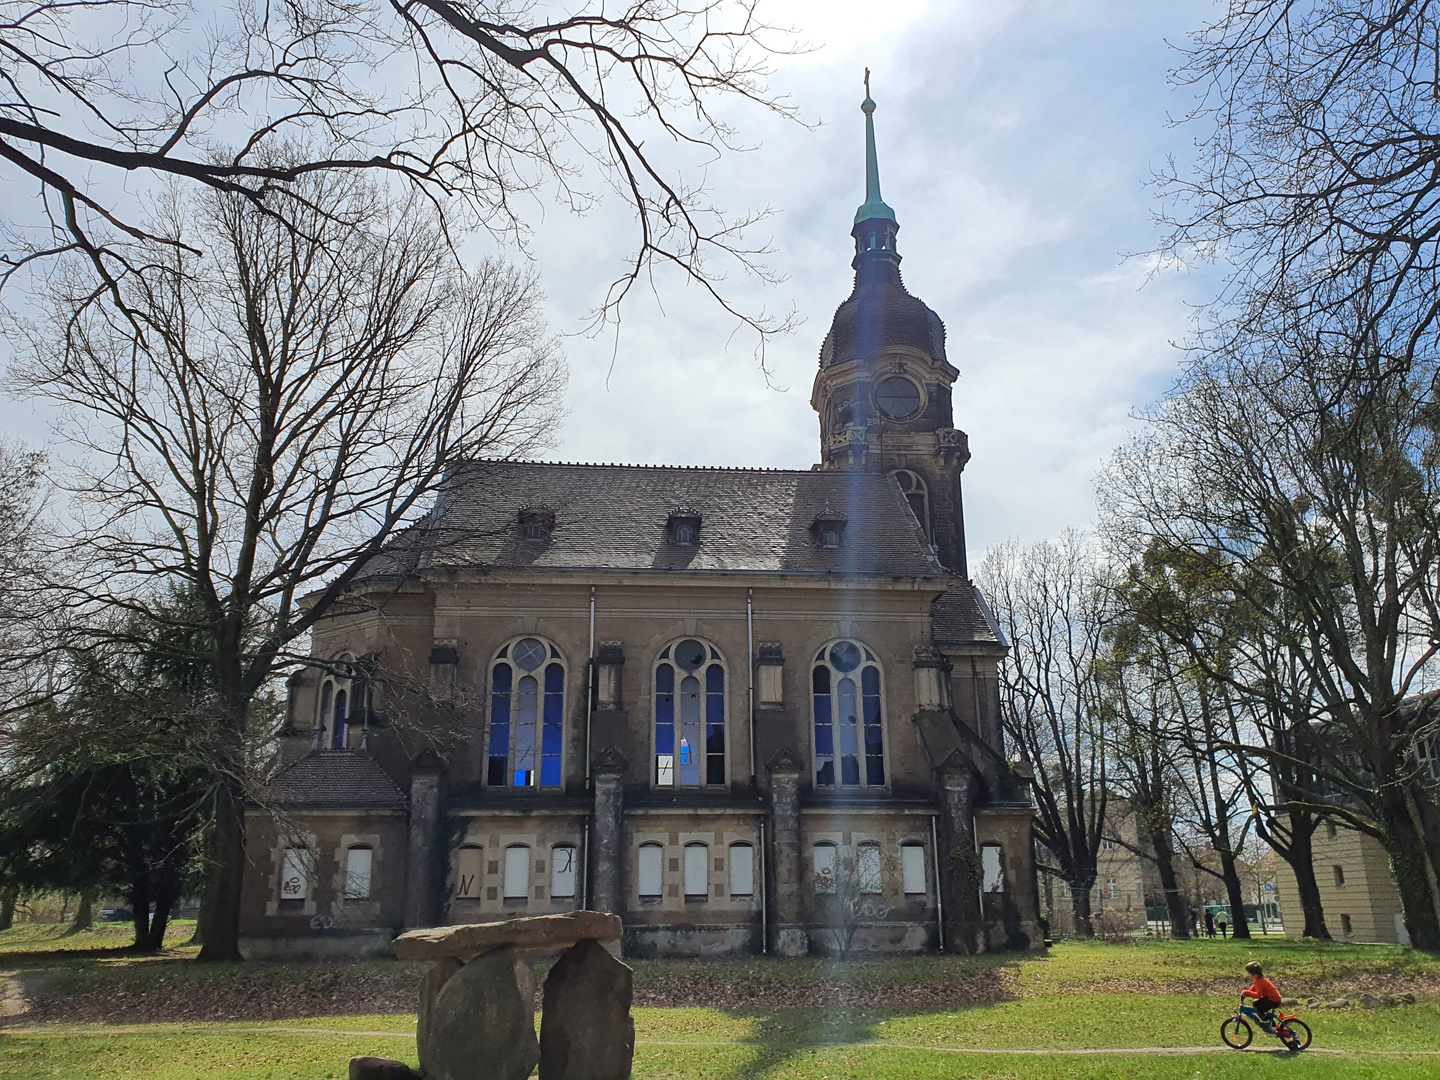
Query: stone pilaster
{"points": [[607, 833], [422, 863], [787, 933], [958, 869]]}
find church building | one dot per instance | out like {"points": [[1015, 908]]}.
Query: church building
{"points": [[748, 710]]}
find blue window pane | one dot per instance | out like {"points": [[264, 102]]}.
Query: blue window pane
{"points": [[338, 728], [824, 736], [848, 721], [552, 736], [715, 724], [527, 708], [870, 682], [689, 731], [665, 725], [499, 725], [874, 738]]}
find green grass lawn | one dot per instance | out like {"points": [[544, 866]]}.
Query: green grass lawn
{"points": [[1059, 1011]]}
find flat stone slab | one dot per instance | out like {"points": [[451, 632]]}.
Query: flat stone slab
{"points": [[541, 932]]}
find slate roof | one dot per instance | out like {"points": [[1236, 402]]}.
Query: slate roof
{"points": [[613, 517], [336, 779], [959, 616], [879, 314]]}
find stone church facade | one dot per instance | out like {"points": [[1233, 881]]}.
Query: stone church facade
{"points": [[726, 704]]}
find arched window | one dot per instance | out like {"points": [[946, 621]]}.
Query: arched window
{"points": [[359, 861], [992, 868], [742, 870], [335, 707], [849, 737], [469, 867], [337, 729], [295, 875], [527, 715], [651, 859], [912, 869], [689, 715], [823, 855], [697, 871], [913, 486], [562, 872], [517, 872], [867, 868]]}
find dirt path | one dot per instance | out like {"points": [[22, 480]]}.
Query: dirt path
{"points": [[1102, 1051]]}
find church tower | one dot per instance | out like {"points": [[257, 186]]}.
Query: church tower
{"points": [[883, 390]]}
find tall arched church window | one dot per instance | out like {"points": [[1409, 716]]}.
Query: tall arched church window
{"points": [[849, 733], [335, 706], [689, 715], [916, 494], [527, 715]]}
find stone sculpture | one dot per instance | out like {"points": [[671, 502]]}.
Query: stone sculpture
{"points": [[477, 1004]]}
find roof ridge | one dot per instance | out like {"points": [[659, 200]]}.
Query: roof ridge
{"points": [[645, 465]]}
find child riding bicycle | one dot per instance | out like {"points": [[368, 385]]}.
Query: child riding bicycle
{"points": [[1265, 998]]}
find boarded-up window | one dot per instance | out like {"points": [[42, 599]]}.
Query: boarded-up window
{"points": [[824, 856], [468, 862], [295, 874], [912, 869], [742, 870], [562, 872], [517, 872], [358, 863], [992, 869], [867, 865], [651, 857], [697, 867]]}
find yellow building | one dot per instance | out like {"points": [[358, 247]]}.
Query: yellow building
{"points": [[1357, 890]]}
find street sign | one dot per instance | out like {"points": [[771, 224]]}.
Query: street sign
{"points": [[1269, 887]]}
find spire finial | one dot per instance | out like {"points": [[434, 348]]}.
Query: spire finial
{"points": [[874, 206]]}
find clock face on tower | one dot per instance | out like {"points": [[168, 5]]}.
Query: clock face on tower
{"points": [[897, 398]]}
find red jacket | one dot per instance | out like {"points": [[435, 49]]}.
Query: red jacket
{"points": [[1264, 992]]}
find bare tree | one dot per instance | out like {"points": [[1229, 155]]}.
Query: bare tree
{"points": [[483, 107], [1054, 602], [289, 407], [851, 893]]}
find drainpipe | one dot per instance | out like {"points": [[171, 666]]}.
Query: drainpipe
{"points": [[764, 904], [750, 638], [939, 903], [585, 866], [590, 688]]}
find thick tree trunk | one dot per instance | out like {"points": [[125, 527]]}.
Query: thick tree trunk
{"points": [[1175, 903], [140, 910], [220, 908], [84, 911], [1080, 904], [8, 899], [1411, 868], [164, 901], [1300, 854], [1235, 893]]}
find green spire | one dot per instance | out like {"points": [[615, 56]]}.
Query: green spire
{"points": [[874, 206]]}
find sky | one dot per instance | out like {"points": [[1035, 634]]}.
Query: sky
{"points": [[1016, 141]]}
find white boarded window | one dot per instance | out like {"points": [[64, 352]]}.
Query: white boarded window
{"points": [[469, 864], [562, 872], [742, 870], [295, 874], [697, 870], [651, 856], [912, 869], [867, 866], [992, 869], [824, 856], [358, 862], [517, 873]]}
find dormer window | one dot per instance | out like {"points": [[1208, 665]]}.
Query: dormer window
{"points": [[828, 528], [537, 523], [683, 526]]}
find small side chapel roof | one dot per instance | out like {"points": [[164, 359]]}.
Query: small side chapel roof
{"points": [[613, 517], [335, 779], [959, 616]]}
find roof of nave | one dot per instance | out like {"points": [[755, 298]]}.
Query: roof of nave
{"points": [[959, 616], [335, 779], [614, 517]]}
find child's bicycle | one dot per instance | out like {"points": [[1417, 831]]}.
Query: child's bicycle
{"points": [[1289, 1029]]}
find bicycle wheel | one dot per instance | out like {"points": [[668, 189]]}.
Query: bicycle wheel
{"points": [[1236, 1033], [1296, 1034]]}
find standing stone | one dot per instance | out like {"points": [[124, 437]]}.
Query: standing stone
{"points": [[435, 979], [481, 1025], [586, 1031]]}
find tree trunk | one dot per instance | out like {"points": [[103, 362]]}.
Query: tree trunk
{"points": [[7, 906], [1300, 854], [164, 901], [1175, 903], [220, 907], [1235, 893], [140, 910], [1411, 868], [84, 911], [1080, 903]]}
